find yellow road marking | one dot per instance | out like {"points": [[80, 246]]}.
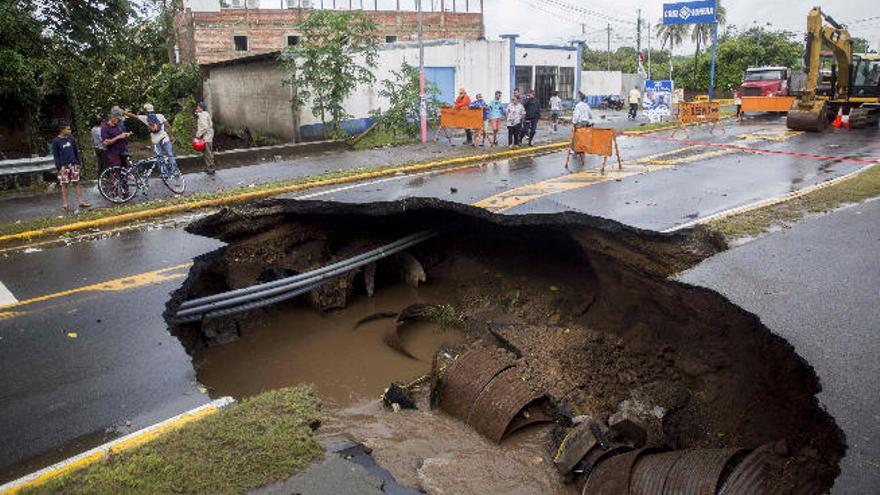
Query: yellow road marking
{"points": [[774, 135], [115, 285], [126, 443]]}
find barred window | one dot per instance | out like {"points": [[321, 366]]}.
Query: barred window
{"points": [[523, 78], [566, 83]]}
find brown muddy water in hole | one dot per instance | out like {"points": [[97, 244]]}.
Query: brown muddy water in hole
{"points": [[347, 365]]}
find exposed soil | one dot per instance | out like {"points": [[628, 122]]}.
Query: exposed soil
{"points": [[584, 303]]}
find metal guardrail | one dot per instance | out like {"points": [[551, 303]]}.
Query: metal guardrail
{"points": [[27, 165]]}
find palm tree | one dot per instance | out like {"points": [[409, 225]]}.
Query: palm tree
{"points": [[673, 34], [700, 33]]}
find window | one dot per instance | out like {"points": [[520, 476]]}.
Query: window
{"points": [[292, 40], [566, 83], [523, 78], [391, 39], [241, 43]]}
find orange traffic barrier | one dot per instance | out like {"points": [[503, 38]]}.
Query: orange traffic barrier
{"points": [[594, 141], [698, 112], [462, 118], [766, 103]]}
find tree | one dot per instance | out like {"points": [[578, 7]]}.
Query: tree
{"points": [[335, 55], [402, 92], [672, 34], [701, 32]]}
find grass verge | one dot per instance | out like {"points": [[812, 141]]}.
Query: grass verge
{"points": [[381, 137], [262, 440], [673, 123], [858, 188]]}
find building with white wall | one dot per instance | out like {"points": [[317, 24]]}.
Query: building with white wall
{"points": [[249, 92]]}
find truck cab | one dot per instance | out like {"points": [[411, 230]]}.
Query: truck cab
{"points": [[765, 81]]}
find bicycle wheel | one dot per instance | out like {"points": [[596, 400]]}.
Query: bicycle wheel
{"points": [[117, 184], [173, 179]]}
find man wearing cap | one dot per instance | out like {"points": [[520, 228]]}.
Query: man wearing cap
{"points": [[160, 133], [115, 138], [205, 131], [464, 101]]}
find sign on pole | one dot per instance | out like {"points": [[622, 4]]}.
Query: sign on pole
{"points": [[702, 12], [689, 12]]}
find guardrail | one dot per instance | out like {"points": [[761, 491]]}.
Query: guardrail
{"points": [[18, 166]]}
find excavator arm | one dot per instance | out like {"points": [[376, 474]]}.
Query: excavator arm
{"points": [[809, 113]]}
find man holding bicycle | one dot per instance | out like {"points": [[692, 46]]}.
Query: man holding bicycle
{"points": [[160, 133], [115, 139]]}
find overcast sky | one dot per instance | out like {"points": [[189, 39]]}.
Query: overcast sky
{"points": [[550, 21]]}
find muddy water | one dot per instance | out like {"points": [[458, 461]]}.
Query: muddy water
{"points": [[295, 344]]}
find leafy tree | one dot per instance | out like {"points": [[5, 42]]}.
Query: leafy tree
{"points": [[402, 92], [172, 84], [861, 45], [702, 33], [335, 55], [672, 35]]}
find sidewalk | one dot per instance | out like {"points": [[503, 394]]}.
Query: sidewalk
{"points": [[16, 208]]}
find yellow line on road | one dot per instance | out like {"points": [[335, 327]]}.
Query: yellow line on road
{"points": [[130, 282]]}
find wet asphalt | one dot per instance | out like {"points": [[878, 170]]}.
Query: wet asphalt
{"points": [[123, 366], [817, 285]]}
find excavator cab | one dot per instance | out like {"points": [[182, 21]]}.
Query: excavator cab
{"points": [[866, 80]]}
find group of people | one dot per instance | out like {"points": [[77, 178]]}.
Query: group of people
{"points": [[110, 141], [520, 116]]}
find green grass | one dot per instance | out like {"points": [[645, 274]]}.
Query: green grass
{"points": [[262, 440], [673, 123], [378, 138], [749, 224], [447, 316]]}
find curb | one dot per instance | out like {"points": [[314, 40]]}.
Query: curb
{"points": [[122, 444], [768, 202], [250, 196]]}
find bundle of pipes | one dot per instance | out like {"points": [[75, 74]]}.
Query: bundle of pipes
{"points": [[264, 294]]}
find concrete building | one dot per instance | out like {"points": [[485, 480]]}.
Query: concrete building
{"points": [[249, 92], [208, 33]]}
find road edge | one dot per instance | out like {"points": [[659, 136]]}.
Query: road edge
{"points": [[29, 235], [121, 444]]}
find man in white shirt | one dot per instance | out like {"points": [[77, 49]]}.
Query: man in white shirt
{"points": [[634, 99], [583, 115], [160, 134], [555, 109]]}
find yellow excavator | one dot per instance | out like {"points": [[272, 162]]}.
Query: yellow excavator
{"points": [[855, 86]]}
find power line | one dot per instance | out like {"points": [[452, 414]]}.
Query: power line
{"points": [[585, 12]]}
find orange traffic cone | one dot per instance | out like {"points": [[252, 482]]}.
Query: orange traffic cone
{"points": [[838, 121], [845, 122]]}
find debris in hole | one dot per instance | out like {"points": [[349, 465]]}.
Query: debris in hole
{"points": [[680, 363], [396, 394], [411, 271]]}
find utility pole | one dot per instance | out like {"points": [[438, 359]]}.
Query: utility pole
{"points": [[423, 104], [650, 75], [608, 30], [583, 29], [639, 41]]}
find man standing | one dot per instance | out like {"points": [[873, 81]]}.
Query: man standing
{"points": [[496, 113], [533, 113], [67, 163], [160, 134], [98, 143], [480, 103], [205, 131], [515, 113], [634, 99], [583, 115], [555, 109], [114, 139], [464, 101]]}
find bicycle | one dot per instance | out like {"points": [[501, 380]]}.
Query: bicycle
{"points": [[120, 184]]}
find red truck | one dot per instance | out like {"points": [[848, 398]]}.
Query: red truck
{"points": [[765, 81]]}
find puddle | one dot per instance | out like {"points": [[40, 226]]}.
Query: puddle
{"points": [[347, 365], [583, 305]]}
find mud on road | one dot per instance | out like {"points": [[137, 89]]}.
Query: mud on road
{"points": [[583, 306]]}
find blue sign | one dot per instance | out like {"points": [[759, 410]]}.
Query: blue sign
{"points": [[664, 86], [689, 12]]}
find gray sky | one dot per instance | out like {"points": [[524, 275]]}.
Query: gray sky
{"points": [[547, 21]]}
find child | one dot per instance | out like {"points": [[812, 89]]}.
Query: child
{"points": [[67, 162], [555, 109], [497, 109]]}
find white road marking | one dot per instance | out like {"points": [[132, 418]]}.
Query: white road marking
{"points": [[6, 297]]}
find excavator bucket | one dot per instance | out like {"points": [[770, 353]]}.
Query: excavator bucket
{"points": [[808, 116]]}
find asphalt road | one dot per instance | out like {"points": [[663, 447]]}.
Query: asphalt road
{"points": [[817, 285], [123, 367]]}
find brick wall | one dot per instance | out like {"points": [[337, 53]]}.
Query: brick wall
{"points": [[207, 37]]}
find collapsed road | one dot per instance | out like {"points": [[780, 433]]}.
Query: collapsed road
{"points": [[646, 381]]}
